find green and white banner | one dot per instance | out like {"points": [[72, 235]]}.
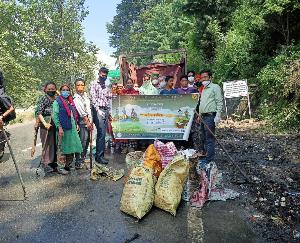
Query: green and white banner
{"points": [[153, 116]]}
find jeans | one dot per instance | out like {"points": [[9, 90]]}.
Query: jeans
{"points": [[101, 121], [84, 135], [208, 140]]}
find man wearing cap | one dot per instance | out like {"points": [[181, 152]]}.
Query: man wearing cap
{"points": [[100, 97], [210, 108]]}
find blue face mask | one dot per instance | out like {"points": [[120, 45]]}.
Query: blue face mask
{"points": [[65, 93]]}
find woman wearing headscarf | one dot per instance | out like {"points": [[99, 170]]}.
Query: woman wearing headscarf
{"points": [[65, 117], [147, 87], [47, 128]]}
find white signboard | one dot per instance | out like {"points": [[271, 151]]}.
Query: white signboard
{"points": [[235, 88]]}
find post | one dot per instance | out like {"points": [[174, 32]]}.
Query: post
{"points": [[226, 110]]}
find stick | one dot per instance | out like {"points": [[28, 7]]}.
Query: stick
{"points": [[91, 149], [36, 130], [14, 160], [226, 152]]}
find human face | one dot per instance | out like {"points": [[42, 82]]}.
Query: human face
{"points": [[102, 74], [50, 87], [184, 83], [170, 83], [79, 86], [190, 74], [129, 83], [65, 92], [205, 77]]}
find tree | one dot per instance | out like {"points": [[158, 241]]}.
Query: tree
{"points": [[43, 40], [128, 12]]}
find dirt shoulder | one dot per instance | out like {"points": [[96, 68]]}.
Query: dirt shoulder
{"points": [[272, 162]]}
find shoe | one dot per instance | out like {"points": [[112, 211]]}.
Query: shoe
{"points": [[79, 166], [101, 160], [62, 171], [130, 150], [68, 168], [124, 150]]}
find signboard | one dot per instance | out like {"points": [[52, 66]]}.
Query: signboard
{"points": [[235, 88], [153, 116]]}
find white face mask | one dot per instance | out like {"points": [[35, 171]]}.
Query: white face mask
{"points": [[191, 79], [136, 88], [162, 84], [205, 83], [155, 81]]}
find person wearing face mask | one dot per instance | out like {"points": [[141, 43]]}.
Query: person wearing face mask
{"points": [[169, 89], [83, 106], [147, 88], [65, 118], [191, 78], [129, 88], [185, 89], [47, 128], [210, 108], [101, 98]]}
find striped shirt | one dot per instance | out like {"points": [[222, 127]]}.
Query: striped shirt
{"points": [[100, 95]]}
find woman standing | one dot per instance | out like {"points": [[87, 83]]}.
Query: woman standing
{"points": [[65, 117], [47, 128]]}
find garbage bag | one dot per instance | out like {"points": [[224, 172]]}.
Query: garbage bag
{"points": [[98, 171], [138, 193], [167, 151], [152, 160], [170, 184], [134, 159]]}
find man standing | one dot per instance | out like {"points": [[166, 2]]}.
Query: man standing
{"points": [[100, 96], [210, 108], [82, 103]]}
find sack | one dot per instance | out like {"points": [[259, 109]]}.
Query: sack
{"points": [[134, 159], [166, 151], [138, 193], [152, 160], [170, 184]]}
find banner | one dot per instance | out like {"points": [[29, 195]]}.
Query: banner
{"points": [[235, 88], [153, 116]]}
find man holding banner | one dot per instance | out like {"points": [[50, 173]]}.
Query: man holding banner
{"points": [[210, 108]]}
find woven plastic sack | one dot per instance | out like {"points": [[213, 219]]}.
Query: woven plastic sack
{"points": [[134, 159], [152, 160], [167, 151], [138, 192], [170, 184]]}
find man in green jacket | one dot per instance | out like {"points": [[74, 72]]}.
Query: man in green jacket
{"points": [[210, 108]]}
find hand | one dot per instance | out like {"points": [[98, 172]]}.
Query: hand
{"points": [[60, 132], [217, 118], [36, 125], [89, 126], [198, 120], [1, 122], [47, 125], [78, 128]]}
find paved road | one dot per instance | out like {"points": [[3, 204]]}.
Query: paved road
{"points": [[74, 209]]}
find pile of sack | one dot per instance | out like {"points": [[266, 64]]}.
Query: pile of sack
{"points": [[156, 177]]}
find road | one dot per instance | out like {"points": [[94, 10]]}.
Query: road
{"points": [[74, 209]]}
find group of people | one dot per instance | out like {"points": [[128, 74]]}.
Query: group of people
{"points": [[66, 120], [208, 109]]}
